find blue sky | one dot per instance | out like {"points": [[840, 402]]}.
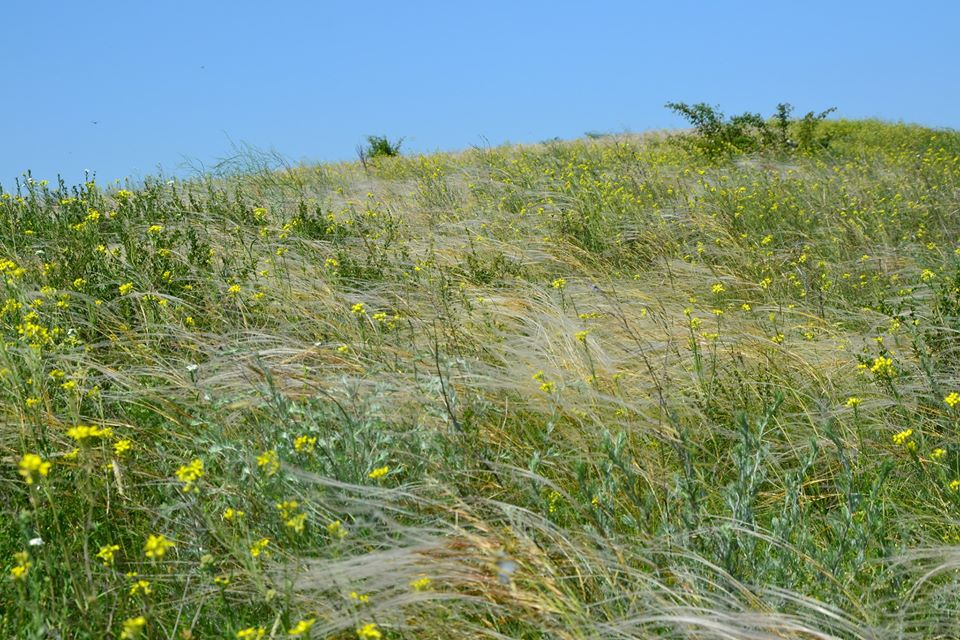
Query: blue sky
{"points": [[126, 88]]}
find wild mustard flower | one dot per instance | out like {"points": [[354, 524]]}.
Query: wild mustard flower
{"points": [[559, 283], [938, 454], [421, 584], [369, 631], [107, 554], [157, 546], [122, 447], [718, 288], [302, 627], [154, 229], [955, 485], [32, 465], [21, 565], [251, 633], [853, 402], [259, 548], [269, 462], [362, 598], [189, 474], [903, 439], [297, 522], [83, 433], [304, 444], [581, 336], [952, 399], [234, 290], [882, 367], [288, 507], [358, 309], [379, 472], [230, 514], [125, 288], [141, 587], [132, 627], [337, 530]]}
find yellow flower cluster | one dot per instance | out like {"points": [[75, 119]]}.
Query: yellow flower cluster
{"points": [[304, 444], [83, 433], [189, 474], [259, 548], [378, 473], [369, 631], [882, 367], [903, 439], [269, 462], [157, 546], [32, 465], [132, 628], [21, 565]]}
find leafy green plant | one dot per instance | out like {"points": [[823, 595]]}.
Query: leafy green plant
{"points": [[378, 147], [716, 134]]}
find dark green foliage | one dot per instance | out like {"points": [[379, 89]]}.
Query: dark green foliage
{"points": [[716, 134]]}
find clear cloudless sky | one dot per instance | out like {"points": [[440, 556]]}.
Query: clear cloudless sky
{"points": [[128, 89]]}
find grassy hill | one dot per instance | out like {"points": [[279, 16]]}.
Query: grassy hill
{"points": [[608, 388]]}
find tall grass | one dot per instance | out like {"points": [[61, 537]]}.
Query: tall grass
{"points": [[609, 388]]}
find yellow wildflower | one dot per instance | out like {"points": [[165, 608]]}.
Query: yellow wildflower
{"points": [[269, 461], [297, 522], [953, 399], [369, 631], [31, 464], [157, 546], [254, 633], [421, 584], [358, 309], [132, 628], [903, 439], [302, 627], [304, 444], [125, 288], [378, 473], [882, 367], [106, 554], [121, 447], [82, 433], [938, 454], [141, 586], [559, 283], [189, 474], [853, 402], [288, 507], [337, 530], [232, 514], [362, 598], [259, 548], [20, 570]]}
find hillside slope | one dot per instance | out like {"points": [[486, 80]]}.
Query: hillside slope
{"points": [[595, 389]]}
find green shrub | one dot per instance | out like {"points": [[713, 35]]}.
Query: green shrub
{"points": [[716, 134]]}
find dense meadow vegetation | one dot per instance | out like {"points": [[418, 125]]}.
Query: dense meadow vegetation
{"points": [[620, 387]]}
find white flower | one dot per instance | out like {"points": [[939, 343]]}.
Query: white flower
{"points": [[36, 542]]}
